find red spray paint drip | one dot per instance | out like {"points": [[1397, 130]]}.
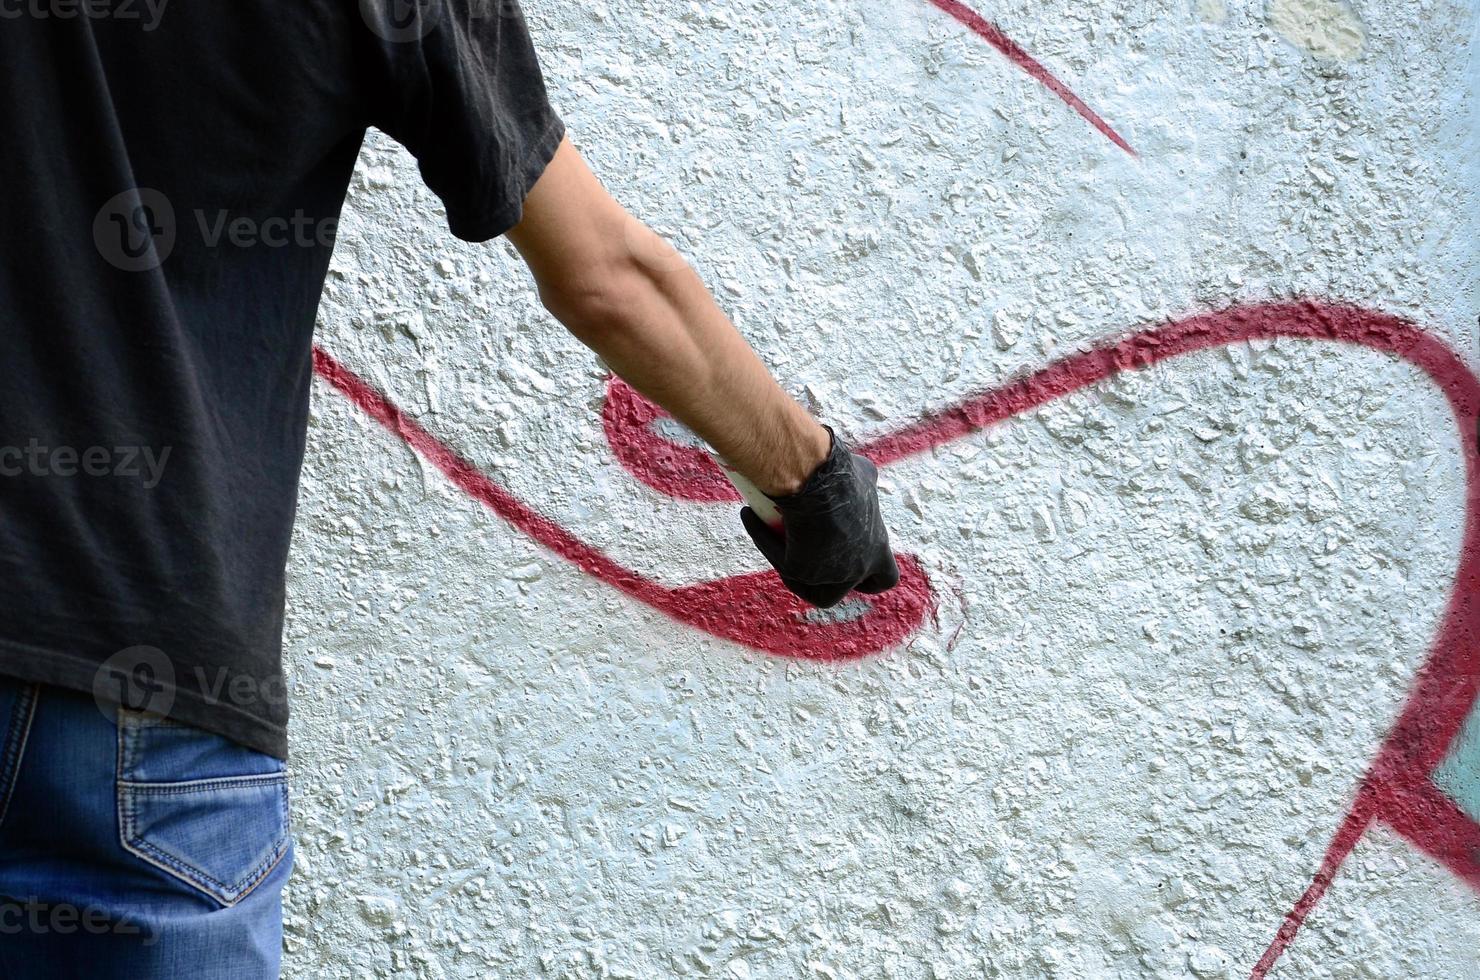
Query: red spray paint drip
{"points": [[1014, 52], [753, 609], [1399, 789]]}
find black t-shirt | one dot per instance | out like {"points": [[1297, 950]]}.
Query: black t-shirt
{"points": [[171, 176]]}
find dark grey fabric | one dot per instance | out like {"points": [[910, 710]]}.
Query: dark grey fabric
{"points": [[172, 177]]}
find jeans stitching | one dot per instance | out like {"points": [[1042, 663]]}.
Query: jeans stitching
{"points": [[128, 838], [218, 889], [198, 785], [15, 744]]}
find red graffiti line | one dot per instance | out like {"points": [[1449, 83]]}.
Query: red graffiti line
{"points": [[1014, 52], [753, 610], [1398, 788]]}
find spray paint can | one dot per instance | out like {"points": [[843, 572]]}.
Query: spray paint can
{"points": [[764, 507]]}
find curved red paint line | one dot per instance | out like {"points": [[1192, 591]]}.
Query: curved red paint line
{"points": [[753, 610], [679, 471], [1445, 690], [1014, 52], [1399, 788], [1416, 810], [1446, 687], [1419, 811]]}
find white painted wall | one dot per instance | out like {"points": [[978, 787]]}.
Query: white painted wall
{"points": [[1178, 613]]}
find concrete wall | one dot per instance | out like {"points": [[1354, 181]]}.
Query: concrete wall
{"points": [[1177, 613]]}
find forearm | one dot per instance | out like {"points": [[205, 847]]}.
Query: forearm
{"points": [[620, 289], [633, 300], [661, 331]]}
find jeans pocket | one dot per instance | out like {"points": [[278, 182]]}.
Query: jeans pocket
{"points": [[201, 808]]}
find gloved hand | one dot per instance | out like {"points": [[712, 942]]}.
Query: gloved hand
{"points": [[833, 538]]}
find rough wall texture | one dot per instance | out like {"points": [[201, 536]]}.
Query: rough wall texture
{"points": [[1178, 612]]}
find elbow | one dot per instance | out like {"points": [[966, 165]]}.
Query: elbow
{"points": [[601, 296], [618, 277]]}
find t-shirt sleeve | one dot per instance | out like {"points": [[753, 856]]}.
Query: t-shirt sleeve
{"points": [[459, 85]]}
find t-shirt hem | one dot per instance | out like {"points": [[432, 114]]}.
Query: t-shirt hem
{"points": [[39, 666], [483, 227]]}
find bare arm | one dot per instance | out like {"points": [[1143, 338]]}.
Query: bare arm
{"points": [[628, 296]]}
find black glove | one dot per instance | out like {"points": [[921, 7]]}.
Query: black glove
{"points": [[833, 538]]}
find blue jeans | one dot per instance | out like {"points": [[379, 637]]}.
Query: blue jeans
{"points": [[135, 847]]}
